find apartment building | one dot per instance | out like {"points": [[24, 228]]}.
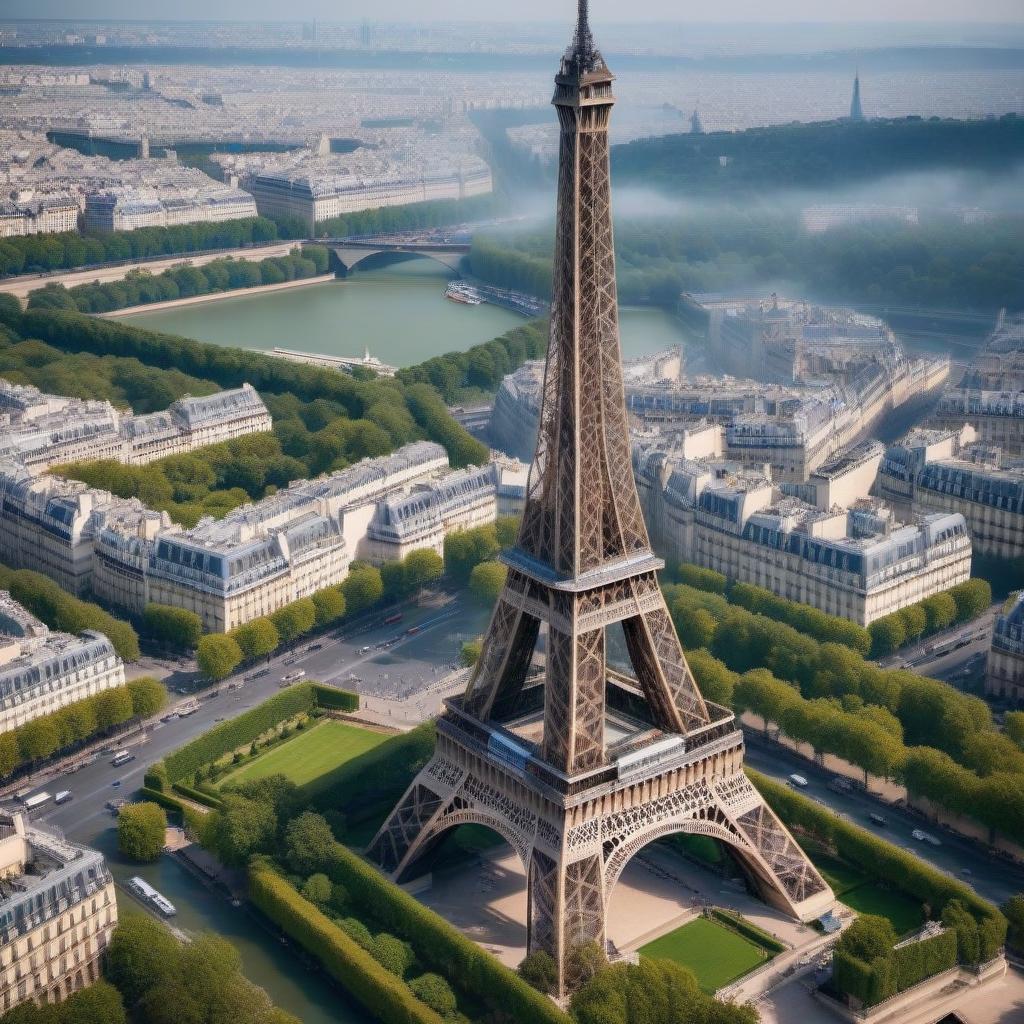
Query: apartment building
{"points": [[421, 519], [42, 671], [856, 562], [1004, 673], [949, 471], [58, 912], [39, 430], [261, 557]]}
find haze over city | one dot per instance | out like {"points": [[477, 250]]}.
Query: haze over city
{"points": [[511, 514]]}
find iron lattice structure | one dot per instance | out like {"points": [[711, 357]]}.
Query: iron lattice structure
{"points": [[574, 808]]}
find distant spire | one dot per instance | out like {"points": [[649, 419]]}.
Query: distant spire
{"points": [[856, 110]]}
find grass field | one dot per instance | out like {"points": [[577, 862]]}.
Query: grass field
{"points": [[715, 954], [858, 891], [310, 755]]}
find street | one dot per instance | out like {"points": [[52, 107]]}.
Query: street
{"points": [[993, 877]]}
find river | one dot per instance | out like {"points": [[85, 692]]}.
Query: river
{"points": [[398, 312]]}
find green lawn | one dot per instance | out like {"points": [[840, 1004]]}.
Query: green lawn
{"points": [[870, 898], [311, 755], [714, 953]]}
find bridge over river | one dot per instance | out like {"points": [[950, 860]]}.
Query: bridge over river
{"points": [[349, 253]]}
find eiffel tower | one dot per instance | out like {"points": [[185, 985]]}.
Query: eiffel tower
{"points": [[576, 763]]}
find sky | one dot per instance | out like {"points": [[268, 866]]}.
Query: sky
{"points": [[607, 11]]}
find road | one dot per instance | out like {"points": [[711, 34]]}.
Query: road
{"points": [[992, 877]]}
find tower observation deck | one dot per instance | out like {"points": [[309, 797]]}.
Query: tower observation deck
{"points": [[577, 763]]}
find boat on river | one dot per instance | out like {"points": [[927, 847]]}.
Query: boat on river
{"points": [[149, 895], [460, 291]]}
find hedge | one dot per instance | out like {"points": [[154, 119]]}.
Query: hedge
{"points": [[747, 930], [884, 861], [438, 944], [885, 977], [189, 815], [330, 699], [228, 736], [384, 995], [198, 796]]}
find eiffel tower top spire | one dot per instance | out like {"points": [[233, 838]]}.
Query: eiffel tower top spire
{"points": [[582, 54]]}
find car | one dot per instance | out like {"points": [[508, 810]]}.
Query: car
{"points": [[877, 819], [798, 780], [116, 783], [292, 677], [365, 650], [219, 718], [314, 647]]}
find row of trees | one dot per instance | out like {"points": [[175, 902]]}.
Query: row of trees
{"points": [[818, 155], [939, 265], [815, 623], [61, 611], [483, 366], [140, 287], [386, 219], [77, 723], [961, 603], [33, 253], [891, 723], [393, 404]]}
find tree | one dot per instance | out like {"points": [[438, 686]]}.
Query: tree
{"points": [[914, 620], [887, 635], [100, 1003], [362, 588], [317, 889], [148, 696], [141, 951], [506, 529], [141, 831], [177, 627], [422, 566], [257, 638], [486, 581], [972, 597], [1013, 911], [584, 961], [433, 990], [464, 549], [654, 992], [1013, 723], [469, 653], [329, 604], [696, 627], [241, 828], [309, 843], [294, 620], [218, 655], [38, 739], [939, 610], [539, 970], [10, 755], [392, 954]]}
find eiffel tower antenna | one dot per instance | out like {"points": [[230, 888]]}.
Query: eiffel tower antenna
{"points": [[579, 765]]}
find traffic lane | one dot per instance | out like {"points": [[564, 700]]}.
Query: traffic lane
{"points": [[93, 784], [992, 877]]}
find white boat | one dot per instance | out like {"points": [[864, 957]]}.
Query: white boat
{"points": [[459, 291], [148, 894]]}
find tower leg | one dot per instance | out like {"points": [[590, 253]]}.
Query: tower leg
{"points": [[566, 910]]}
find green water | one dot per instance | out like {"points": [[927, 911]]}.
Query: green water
{"points": [[399, 313]]}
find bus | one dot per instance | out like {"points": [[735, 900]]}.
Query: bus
{"points": [[122, 757], [32, 803], [187, 707], [392, 619]]}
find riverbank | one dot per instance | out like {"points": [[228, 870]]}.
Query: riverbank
{"points": [[20, 287], [233, 293]]}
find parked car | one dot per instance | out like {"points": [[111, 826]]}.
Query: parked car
{"points": [[798, 780], [878, 819]]}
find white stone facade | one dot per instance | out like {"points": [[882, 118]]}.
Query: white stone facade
{"points": [[42, 671]]}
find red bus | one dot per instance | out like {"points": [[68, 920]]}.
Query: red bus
{"points": [[391, 619]]}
